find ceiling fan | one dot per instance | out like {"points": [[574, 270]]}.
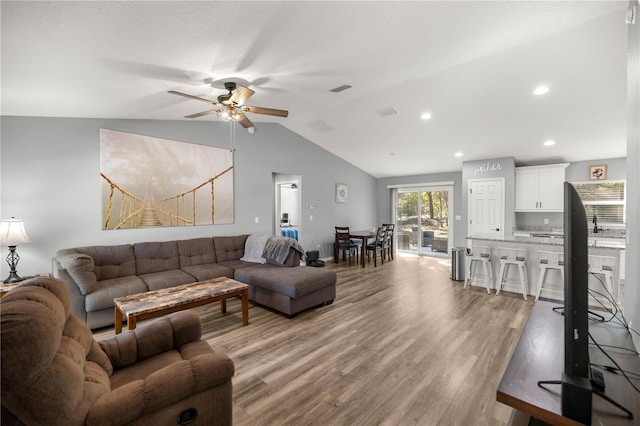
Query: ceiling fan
{"points": [[230, 106]]}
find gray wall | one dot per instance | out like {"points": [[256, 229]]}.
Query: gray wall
{"points": [[385, 201], [50, 179], [632, 278], [575, 172], [579, 171]]}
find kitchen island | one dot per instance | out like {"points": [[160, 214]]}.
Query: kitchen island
{"points": [[553, 287]]}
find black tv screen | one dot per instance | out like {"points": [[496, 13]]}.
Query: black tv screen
{"points": [[576, 385]]}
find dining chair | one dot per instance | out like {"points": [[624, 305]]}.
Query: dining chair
{"points": [[391, 227], [344, 243], [377, 246]]}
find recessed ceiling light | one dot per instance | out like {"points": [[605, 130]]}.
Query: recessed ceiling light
{"points": [[549, 142], [426, 116], [458, 154], [392, 153], [541, 90]]}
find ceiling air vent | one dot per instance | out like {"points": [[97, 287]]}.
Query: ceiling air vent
{"points": [[320, 127], [341, 88], [386, 112]]}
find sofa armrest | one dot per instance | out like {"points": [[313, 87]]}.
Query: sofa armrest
{"points": [[161, 335], [80, 268], [161, 388], [77, 298]]}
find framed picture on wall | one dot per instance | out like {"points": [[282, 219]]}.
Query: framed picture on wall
{"points": [[598, 172], [342, 193]]}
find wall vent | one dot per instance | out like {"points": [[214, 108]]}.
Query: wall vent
{"points": [[341, 88], [320, 127], [386, 112]]}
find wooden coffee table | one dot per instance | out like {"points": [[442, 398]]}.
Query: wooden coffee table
{"points": [[161, 302]]}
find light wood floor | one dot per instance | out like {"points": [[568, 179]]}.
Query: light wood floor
{"points": [[401, 345]]}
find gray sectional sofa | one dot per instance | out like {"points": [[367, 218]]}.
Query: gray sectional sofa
{"points": [[95, 275]]}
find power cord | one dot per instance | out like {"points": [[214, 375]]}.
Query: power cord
{"points": [[614, 363]]}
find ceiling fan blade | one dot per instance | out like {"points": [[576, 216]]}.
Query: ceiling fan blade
{"points": [[245, 122], [173, 92], [200, 114], [267, 111], [240, 95]]}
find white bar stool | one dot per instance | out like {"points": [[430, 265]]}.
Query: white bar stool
{"points": [[481, 254], [549, 260], [604, 265], [517, 257]]}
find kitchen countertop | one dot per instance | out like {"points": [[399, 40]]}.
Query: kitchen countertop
{"points": [[556, 240]]}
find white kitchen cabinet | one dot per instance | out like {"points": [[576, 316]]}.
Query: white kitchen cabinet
{"points": [[540, 188]]}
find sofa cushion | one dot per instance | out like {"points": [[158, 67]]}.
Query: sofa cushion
{"points": [[229, 248], [111, 261], [103, 297], [197, 251], [208, 271], [293, 282], [165, 279], [237, 264], [156, 257]]}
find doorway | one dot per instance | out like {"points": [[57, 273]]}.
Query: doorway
{"points": [[422, 220], [288, 205]]}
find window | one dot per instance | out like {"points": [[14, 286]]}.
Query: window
{"points": [[603, 199]]}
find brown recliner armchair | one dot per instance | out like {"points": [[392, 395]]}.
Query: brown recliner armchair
{"points": [[55, 373]]}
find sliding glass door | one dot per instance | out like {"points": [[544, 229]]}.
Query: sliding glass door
{"points": [[422, 218]]}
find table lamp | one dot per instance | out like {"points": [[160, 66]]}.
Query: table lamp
{"points": [[12, 233]]}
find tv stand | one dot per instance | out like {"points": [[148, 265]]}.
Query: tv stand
{"points": [[539, 355], [590, 389], [560, 310]]}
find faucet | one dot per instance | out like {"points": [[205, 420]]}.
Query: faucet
{"points": [[596, 229]]}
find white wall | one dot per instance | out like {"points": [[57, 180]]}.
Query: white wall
{"points": [[50, 178]]}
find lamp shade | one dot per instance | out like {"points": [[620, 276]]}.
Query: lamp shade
{"points": [[12, 232]]}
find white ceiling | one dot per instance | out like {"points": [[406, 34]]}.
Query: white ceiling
{"points": [[472, 65]]}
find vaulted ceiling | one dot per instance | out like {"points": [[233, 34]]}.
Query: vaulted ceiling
{"points": [[472, 65]]}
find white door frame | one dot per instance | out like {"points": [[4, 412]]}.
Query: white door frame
{"points": [[426, 187], [279, 180]]}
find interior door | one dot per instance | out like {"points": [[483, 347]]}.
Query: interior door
{"points": [[486, 207]]}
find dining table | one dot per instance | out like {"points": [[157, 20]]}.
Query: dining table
{"points": [[363, 235]]}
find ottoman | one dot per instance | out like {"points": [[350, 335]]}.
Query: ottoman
{"points": [[288, 290]]}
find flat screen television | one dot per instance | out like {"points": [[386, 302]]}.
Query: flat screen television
{"points": [[576, 383]]}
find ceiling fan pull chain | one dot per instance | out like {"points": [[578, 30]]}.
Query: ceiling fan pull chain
{"points": [[232, 135]]}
